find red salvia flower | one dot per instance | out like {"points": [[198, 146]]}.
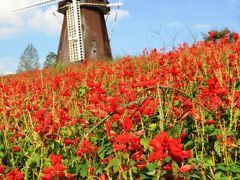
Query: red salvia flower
{"points": [[141, 165], [183, 136], [235, 36], [2, 170], [70, 176], [137, 156], [57, 170], [165, 146], [16, 149], [102, 177], [126, 138], [162, 140], [185, 168], [55, 159], [168, 167], [210, 122], [157, 155], [140, 133], [15, 174], [70, 141], [86, 147], [127, 124], [90, 171], [118, 147], [176, 152], [107, 160], [134, 147], [211, 35]]}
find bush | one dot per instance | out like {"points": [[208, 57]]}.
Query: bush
{"points": [[222, 35]]}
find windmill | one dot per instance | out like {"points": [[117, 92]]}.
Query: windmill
{"points": [[84, 32]]}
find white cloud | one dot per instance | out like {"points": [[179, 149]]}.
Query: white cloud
{"points": [[119, 13], [7, 31], [49, 21], [8, 65], [174, 24], [12, 23], [6, 73], [202, 26]]}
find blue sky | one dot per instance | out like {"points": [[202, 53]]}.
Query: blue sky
{"points": [[141, 24]]}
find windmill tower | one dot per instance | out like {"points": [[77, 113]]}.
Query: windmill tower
{"points": [[84, 32]]}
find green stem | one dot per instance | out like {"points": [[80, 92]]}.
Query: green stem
{"points": [[160, 110]]}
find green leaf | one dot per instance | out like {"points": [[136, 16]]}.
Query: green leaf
{"points": [[195, 176], [36, 158], [132, 163], [237, 88], [114, 163], [235, 169], [47, 162], [236, 178], [98, 171], [134, 169], [114, 125], [223, 167], [224, 178], [152, 166], [124, 174], [197, 160], [189, 145], [209, 162], [2, 147], [215, 133], [167, 160], [152, 173], [217, 148], [81, 91], [1, 155], [176, 131], [145, 177], [101, 151], [145, 143], [209, 129], [83, 170], [153, 126], [218, 175], [177, 103], [73, 160]]}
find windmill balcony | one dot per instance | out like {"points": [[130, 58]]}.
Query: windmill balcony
{"points": [[99, 4]]}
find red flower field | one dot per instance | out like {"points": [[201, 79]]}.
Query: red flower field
{"points": [[162, 115]]}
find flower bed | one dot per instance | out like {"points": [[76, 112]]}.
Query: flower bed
{"points": [[171, 115]]}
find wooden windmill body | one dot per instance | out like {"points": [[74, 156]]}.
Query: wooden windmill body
{"points": [[84, 33], [95, 41]]}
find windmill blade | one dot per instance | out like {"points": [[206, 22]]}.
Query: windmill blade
{"points": [[19, 5], [118, 5], [115, 4], [75, 34]]}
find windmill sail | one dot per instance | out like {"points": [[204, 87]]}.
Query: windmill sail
{"points": [[26, 4], [75, 36]]}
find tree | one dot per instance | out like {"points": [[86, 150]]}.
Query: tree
{"points": [[29, 60], [224, 35], [50, 60]]}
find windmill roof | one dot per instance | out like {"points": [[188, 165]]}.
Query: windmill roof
{"points": [[62, 5]]}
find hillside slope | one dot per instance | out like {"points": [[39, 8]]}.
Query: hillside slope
{"points": [[160, 115]]}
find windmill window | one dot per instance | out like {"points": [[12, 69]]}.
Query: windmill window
{"points": [[94, 43], [94, 49]]}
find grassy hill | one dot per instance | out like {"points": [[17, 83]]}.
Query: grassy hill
{"points": [[162, 115]]}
